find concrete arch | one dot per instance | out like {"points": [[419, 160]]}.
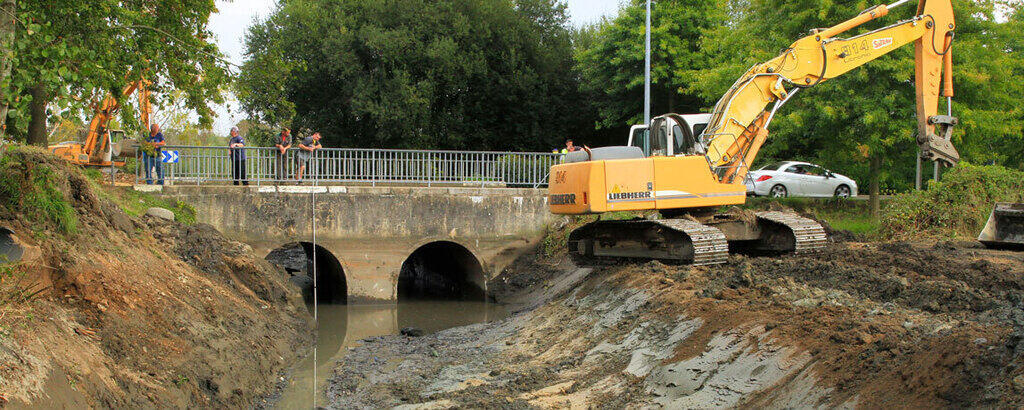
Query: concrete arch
{"points": [[332, 273], [442, 269]]}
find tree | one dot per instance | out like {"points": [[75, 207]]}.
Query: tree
{"points": [[8, 22], [69, 54], [612, 66], [864, 121], [462, 74]]}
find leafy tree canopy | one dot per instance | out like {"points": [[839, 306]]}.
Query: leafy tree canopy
{"points": [[69, 54], [463, 74], [612, 65], [869, 112]]}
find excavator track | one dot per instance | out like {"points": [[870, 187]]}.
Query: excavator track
{"points": [[679, 240], [709, 244], [687, 241], [809, 236]]}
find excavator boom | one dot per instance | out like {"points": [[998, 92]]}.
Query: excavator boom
{"points": [[741, 117], [97, 149]]}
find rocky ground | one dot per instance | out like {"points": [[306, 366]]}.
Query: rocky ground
{"points": [[137, 311], [859, 325]]}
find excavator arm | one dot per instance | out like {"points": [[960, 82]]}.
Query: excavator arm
{"points": [[739, 124], [96, 141]]}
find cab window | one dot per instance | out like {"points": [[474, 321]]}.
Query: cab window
{"points": [[682, 145], [639, 139], [659, 141]]}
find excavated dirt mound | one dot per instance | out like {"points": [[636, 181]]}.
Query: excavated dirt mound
{"points": [[136, 312], [861, 324]]}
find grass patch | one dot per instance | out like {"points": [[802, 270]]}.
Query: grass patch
{"points": [[31, 189], [957, 206], [841, 214], [136, 203]]}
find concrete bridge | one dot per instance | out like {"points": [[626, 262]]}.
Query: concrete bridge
{"points": [[376, 244]]}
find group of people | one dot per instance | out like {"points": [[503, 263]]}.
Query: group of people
{"points": [[237, 154]]}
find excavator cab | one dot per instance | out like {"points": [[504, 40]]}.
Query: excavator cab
{"points": [[672, 135]]}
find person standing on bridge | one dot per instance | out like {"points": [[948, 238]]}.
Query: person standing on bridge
{"points": [[306, 149], [236, 149], [150, 161], [284, 142]]}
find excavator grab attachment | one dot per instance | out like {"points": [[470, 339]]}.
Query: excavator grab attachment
{"points": [[1005, 227]]}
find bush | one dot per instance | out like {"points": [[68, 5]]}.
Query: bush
{"points": [[957, 206], [30, 188]]}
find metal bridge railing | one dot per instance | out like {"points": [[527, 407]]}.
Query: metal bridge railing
{"points": [[205, 165]]}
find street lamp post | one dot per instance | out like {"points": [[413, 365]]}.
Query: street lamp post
{"points": [[647, 69]]}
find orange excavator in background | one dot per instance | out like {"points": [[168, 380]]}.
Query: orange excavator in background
{"points": [[687, 166], [99, 148]]}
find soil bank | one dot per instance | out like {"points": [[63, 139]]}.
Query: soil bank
{"points": [[136, 311], [859, 325]]}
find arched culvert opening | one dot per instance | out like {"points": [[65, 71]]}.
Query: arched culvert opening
{"points": [[10, 251], [297, 259], [442, 270]]}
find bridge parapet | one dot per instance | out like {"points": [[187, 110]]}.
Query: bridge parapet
{"points": [[264, 165]]}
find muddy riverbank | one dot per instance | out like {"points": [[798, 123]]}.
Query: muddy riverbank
{"points": [[863, 324], [125, 311]]}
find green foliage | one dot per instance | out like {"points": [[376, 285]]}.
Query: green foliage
{"points": [[460, 74], [76, 52], [611, 60], [841, 214], [869, 112], [956, 206], [31, 189]]}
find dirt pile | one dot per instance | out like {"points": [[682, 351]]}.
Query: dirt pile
{"points": [[132, 311], [910, 325]]}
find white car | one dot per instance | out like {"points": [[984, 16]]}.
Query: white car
{"points": [[793, 178]]}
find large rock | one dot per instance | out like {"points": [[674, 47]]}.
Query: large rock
{"points": [[160, 213]]}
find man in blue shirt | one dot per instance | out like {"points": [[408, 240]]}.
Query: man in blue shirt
{"points": [[237, 151], [156, 140]]}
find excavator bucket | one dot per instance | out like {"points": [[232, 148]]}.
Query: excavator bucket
{"points": [[1005, 227]]}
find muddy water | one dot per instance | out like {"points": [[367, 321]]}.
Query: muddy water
{"points": [[342, 326]]}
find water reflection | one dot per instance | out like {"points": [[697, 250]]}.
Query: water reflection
{"points": [[342, 326]]}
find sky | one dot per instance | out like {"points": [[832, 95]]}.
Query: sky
{"points": [[233, 17]]}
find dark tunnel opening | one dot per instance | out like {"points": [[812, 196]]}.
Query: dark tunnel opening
{"points": [[297, 259], [10, 251], [442, 270]]}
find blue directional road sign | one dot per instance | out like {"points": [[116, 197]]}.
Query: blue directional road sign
{"points": [[169, 157]]}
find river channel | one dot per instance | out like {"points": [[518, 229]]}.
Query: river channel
{"points": [[343, 326]]}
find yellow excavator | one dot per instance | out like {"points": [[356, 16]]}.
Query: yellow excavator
{"points": [[687, 166], [100, 148]]}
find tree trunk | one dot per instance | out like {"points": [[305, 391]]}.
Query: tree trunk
{"points": [[875, 170], [37, 112], [7, 26]]}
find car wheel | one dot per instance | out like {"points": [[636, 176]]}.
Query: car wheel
{"points": [[843, 192], [778, 191]]}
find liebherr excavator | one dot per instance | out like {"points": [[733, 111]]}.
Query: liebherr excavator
{"points": [[99, 149], [697, 163]]}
